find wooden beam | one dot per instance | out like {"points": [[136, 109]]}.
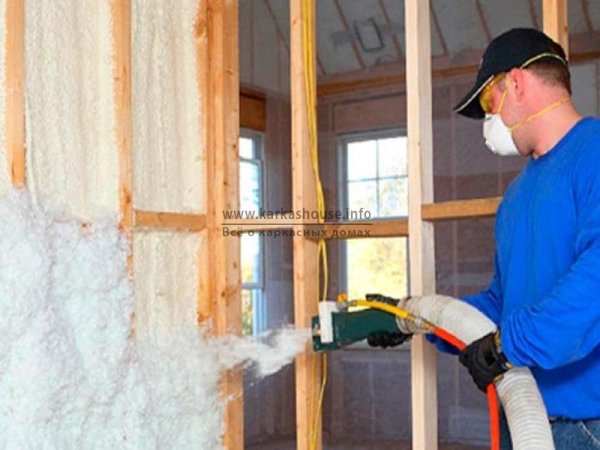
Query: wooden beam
{"points": [[420, 191], [360, 230], [216, 34], [278, 221], [121, 32], [585, 6], [15, 91], [253, 113], [461, 209], [556, 21], [171, 221], [306, 274]]}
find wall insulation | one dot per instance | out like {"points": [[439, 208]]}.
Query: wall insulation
{"points": [[4, 172], [71, 151], [72, 373], [166, 282], [167, 140]]}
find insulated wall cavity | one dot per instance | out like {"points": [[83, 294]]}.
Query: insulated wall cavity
{"points": [[166, 282], [167, 139], [72, 160], [4, 171]]}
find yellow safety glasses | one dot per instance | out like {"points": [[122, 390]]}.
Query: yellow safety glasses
{"points": [[485, 98]]}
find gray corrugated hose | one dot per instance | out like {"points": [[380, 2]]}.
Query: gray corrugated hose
{"points": [[522, 402]]}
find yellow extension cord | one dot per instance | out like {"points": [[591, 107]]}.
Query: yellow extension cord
{"points": [[310, 95]]}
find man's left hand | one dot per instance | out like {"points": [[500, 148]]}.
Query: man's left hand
{"points": [[484, 360]]}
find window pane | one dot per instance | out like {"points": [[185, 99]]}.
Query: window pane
{"points": [[247, 313], [246, 148], [393, 197], [377, 265], [251, 256], [363, 194], [362, 160], [249, 186], [392, 157]]}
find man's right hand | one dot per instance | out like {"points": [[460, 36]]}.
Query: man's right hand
{"points": [[386, 339]]}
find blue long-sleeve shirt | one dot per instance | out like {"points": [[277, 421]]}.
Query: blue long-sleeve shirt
{"points": [[545, 293]]}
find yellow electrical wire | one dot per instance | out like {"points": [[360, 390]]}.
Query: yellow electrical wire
{"points": [[398, 312], [310, 94]]}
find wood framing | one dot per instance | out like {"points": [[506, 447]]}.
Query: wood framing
{"points": [[359, 230], [15, 90], [216, 35], [556, 21], [170, 221], [306, 276], [461, 209], [121, 22], [420, 191]]}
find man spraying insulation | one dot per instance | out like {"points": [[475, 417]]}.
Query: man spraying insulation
{"points": [[544, 295]]}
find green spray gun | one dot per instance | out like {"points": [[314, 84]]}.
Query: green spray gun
{"points": [[336, 326]]}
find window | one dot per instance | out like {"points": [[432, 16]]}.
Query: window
{"points": [[375, 178], [252, 245]]}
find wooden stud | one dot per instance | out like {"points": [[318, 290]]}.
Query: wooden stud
{"points": [[556, 22], [171, 221], [461, 209], [421, 239], [216, 35], [306, 274], [121, 19], [15, 91]]}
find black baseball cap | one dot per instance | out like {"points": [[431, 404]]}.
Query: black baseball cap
{"points": [[515, 48]]}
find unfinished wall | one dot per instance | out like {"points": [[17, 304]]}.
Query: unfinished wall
{"points": [[166, 280], [4, 173], [71, 152], [167, 140], [168, 160]]}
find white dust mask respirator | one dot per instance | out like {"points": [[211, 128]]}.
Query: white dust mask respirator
{"points": [[498, 137]]}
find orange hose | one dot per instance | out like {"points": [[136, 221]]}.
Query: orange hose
{"points": [[491, 389], [494, 416]]}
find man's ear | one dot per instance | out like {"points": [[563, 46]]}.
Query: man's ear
{"points": [[518, 81]]}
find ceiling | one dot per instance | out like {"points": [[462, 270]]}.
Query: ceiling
{"points": [[360, 34]]}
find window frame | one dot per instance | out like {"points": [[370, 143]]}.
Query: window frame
{"points": [[342, 150], [259, 309]]}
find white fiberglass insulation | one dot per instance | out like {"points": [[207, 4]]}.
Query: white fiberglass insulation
{"points": [[4, 172], [72, 373], [72, 160], [167, 139]]}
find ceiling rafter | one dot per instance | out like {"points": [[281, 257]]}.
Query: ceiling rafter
{"points": [[342, 17], [586, 14], [484, 24], [533, 15], [438, 29], [389, 22]]}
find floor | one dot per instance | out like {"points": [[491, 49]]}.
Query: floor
{"points": [[379, 445]]}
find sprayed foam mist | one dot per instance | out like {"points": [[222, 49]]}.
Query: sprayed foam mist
{"points": [[71, 375]]}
